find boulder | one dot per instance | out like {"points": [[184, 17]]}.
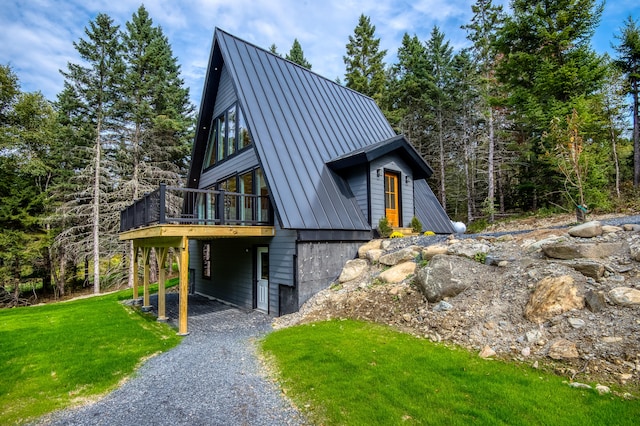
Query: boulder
{"points": [[595, 301], [353, 269], [567, 250], [634, 249], [371, 245], [441, 278], [430, 251], [631, 227], [586, 230], [404, 255], [374, 255], [625, 296], [398, 273], [587, 267], [487, 352], [563, 349], [553, 296], [608, 229], [468, 248]]}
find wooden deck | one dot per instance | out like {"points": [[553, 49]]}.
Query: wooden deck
{"points": [[168, 235]]}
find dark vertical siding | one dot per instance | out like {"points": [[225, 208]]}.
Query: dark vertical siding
{"points": [[356, 178], [282, 251], [226, 93], [239, 163]]}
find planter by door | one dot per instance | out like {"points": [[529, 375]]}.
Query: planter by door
{"points": [[262, 274], [391, 203]]}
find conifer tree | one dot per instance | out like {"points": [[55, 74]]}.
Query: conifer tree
{"points": [[629, 63], [88, 107], [548, 67], [296, 55], [364, 61]]}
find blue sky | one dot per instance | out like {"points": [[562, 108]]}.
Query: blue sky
{"points": [[36, 36]]}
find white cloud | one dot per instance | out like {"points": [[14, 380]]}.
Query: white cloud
{"points": [[37, 36]]}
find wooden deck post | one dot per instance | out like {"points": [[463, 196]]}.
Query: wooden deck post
{"points": [[136, 279], [161, 253], [184, 286], [146, 252]]}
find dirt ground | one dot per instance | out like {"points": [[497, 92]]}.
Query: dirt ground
{"points": [[489, 313]]}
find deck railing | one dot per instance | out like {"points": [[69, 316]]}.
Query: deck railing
{"points": [[173, 205]]}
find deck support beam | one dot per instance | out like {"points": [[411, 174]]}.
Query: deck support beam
{"points": [[184, 286], [146, 255], [161, 254]]}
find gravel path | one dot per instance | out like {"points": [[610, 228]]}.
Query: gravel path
{"points": [[212, 378]]}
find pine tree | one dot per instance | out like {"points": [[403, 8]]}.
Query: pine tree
{"points": [[364, 61], [629, 63], [88, 108], [296, 55]]}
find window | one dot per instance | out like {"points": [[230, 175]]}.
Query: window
{"points": [[243, 208], [228, 135]]}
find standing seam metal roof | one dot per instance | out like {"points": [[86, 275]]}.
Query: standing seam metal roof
{"points": [[300, 121], [305, 128]]}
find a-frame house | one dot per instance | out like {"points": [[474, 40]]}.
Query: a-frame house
{"points": [[290, 174]]}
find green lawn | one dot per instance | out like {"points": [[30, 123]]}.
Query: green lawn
{"points": [[56, 355], [355, 373]]}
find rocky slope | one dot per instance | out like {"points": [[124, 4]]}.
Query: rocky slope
{"points": [[565, 299]]}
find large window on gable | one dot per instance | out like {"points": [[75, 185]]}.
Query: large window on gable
{"points": [[228, 135]]}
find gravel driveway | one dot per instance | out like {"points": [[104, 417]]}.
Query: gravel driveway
{"points": [[212, 378]]}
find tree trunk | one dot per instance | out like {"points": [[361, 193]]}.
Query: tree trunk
{"points": [[491, 177], [636, 138], [96, 213], [443, 192]]}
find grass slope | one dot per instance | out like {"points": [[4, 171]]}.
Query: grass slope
{"points": [[56, 355], [355, 373]]}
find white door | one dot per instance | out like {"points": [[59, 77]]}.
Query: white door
{"points": [[262, 273]]}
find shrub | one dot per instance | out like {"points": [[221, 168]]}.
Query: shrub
{"points": [[480, 257], [396, 234], [416, 225], [429, 233], [384, 228]]}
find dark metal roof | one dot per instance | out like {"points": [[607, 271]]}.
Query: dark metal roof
{"points": [[397, 144], [299, 121], [428, 209]]}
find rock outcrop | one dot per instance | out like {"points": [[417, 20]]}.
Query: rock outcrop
{"points": [[567, 297]]}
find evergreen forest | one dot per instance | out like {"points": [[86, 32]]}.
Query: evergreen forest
{"points": [[528, 119]]}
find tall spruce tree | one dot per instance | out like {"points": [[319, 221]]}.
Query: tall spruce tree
{"points": [[629, 63], [405, 101], [296, 55], [548, 66], [365, 61], [439, 59], [87, 106]]}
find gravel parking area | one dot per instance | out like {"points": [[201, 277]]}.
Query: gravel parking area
{"points": [[212, 378]]}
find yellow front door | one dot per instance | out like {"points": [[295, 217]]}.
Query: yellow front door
{"points": [[391, 199]]}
